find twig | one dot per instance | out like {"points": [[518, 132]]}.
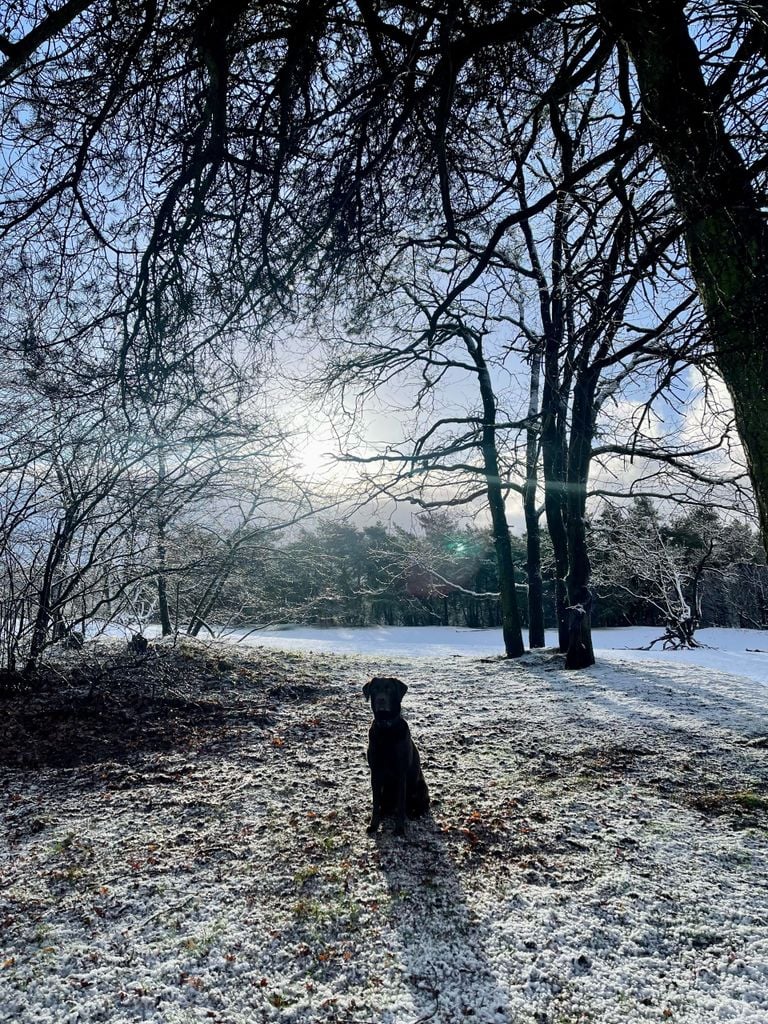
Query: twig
{"points": [[159, 913], [428, 1016]]}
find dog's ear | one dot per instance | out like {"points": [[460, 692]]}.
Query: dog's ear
{"points": [[367, 690], [402, 689]]}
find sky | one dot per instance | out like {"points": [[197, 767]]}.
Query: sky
{"points": [[696, 415]]}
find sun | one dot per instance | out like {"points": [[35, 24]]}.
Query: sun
{"points": [[321, 454], [318, 459], [315, 457]]}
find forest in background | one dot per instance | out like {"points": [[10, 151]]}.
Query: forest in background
{"points": [[445, 573]]}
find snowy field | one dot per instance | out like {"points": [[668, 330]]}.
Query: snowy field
{"points": [[597, 851], [741, 652]]}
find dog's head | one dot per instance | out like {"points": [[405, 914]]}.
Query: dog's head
{"points": [[385, 694]]}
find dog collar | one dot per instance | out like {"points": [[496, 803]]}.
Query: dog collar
{"points": [[384, 724]]}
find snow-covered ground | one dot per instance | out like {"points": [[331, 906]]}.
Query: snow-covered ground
{"points": [[597, 851], [742, 652]]}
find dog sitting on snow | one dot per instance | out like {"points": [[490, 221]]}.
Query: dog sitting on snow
{"points": [[397, 782]]}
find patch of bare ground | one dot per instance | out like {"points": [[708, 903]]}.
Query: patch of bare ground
{"points": [[106, 704]]}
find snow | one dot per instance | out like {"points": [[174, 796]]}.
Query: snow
{"points": [[597, 851], [727, 650]]}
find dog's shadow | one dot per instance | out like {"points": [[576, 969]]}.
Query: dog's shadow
{"points": [[441, 937]]}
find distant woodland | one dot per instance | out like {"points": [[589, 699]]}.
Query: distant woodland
{"points": [[446, 574]]}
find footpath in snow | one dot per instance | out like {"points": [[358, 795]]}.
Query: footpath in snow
{"points": [[597, 851]]}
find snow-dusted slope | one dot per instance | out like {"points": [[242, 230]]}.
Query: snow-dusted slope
{"points": [[740, 651], [597, 854]]}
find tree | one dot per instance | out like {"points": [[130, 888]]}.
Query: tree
{"points": [[642, 564], [464, 446], [92, 483], [664, 565], [715, 184]]}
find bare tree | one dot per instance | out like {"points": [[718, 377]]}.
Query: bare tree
{"points": [[640, 557], [716, 170], [466, 448]]}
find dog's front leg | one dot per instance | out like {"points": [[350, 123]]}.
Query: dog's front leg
{"points": [[400, 806], [376, 792]]}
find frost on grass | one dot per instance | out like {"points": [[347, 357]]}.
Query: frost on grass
{"points": [[183, 840]]}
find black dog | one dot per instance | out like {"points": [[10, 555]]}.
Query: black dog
{"points": [[397, 783]]}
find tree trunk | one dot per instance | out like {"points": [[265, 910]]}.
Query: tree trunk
{"points": [[725, 228], [553, 399], [166, 627], [553, 433], [212, 592], [579, 653], [532, 528], [205, 606], [513, 636], [554, 491], [510, 626], [47, 605]]}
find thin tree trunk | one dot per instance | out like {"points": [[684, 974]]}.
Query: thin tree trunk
{"points": [[532, 528], [166, 627], [511, 630], [205, 606], [212, 592], [45, 602], [725, 227], [580, 653], [554, 504], [554, 424]]}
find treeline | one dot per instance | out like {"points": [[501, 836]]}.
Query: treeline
{"points": [[339, 574], [445, 573], [167, 560], [688, 570]]}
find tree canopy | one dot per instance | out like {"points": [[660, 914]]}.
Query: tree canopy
{"points": [[182, 181]]}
